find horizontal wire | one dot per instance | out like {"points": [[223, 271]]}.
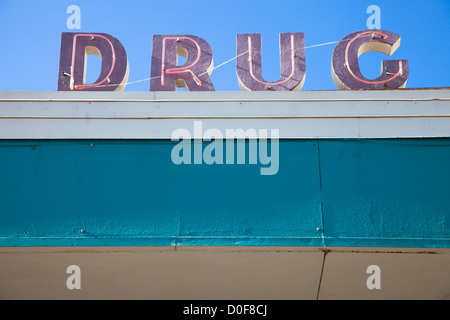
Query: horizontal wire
{"points": [[211, 69], [322, 44]]}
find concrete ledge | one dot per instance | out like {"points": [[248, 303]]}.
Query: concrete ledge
{"points": [[155, 115]]}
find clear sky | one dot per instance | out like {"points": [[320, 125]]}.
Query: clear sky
{"points": [[30, 34]]}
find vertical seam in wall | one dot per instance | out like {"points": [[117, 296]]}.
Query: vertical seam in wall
{"points": [[321, 275], [322, 231]]}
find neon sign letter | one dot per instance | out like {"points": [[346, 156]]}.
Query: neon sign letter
{"points": [[194, 74], [345, 68], [72, 64], [292, 62]]}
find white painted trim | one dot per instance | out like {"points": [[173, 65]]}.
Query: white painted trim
{"points": [[155, 115]]}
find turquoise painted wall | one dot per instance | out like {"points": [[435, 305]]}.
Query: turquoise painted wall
{"points": [[393, 193]]}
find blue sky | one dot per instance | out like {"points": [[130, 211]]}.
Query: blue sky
{"points": [[30, 34]]}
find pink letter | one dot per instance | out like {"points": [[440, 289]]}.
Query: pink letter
{"points": [[345, 67], [292, 62], [72, 63], [194, 74]]}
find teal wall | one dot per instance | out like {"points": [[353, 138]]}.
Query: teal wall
{"points": [[392, 193]]}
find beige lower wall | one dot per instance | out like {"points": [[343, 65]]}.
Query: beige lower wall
{"points": [[225, 273]]}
